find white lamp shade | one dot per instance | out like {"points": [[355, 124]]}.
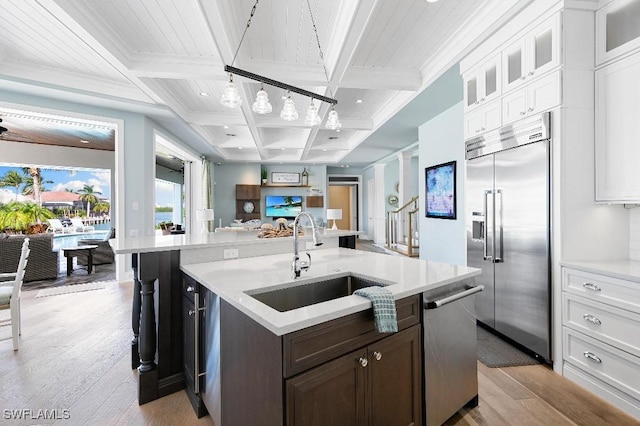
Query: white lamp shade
{"points": [[335, 214], [204, 215]]}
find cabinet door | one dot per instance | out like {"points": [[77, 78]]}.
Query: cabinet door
{"points": [[514, 65], [471, 91], [483, 85], [543, 94], [188, 343], [514, 106], [331, 394], [482, 120], [618, 131], [533, 55], [617, 29], [395, 385]]}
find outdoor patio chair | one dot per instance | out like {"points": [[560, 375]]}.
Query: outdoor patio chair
{"points": [[77, 223], [57, 226], [10, 294]]}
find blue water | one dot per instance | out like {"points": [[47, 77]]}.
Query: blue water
{"points": [[102, 229], [163, 217]]}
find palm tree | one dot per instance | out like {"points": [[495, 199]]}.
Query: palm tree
{"points": [[33, 183], [12, 178], [18, 216], [88, 195], [102, 207]]}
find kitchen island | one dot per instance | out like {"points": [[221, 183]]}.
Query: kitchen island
{"points": [[156, 346], [317, 363], [190, 295]]}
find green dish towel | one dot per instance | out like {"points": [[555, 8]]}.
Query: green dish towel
{"points": [[384, 308]]}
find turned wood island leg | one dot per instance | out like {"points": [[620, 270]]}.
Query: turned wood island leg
{"points": [[159, 340], [147, 371], [135, 314]]}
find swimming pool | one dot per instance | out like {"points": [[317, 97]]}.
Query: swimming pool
{"points": [[62, 240]]}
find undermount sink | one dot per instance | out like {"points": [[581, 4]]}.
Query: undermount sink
{"points": [[299, 294]]}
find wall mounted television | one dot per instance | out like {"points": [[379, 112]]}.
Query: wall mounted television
{"points": [[440, 184], [283, 205]]}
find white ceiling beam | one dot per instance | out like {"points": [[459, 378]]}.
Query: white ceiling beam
{"points": [[69, 13], [214, 119], [271, 121], [351, 24], [177, 67], [217, 26], [381, 79]]}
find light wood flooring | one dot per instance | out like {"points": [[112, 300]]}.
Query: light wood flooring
{"points": [[74, 355]]}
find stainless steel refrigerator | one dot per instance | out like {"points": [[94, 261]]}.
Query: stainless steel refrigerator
{"points": [[508, 230]]}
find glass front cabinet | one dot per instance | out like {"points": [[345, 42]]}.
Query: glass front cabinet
{"points": [[482, 85], [617, 30], [532, 55]]}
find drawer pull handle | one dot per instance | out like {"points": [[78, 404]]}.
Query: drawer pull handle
{"points": [[190, 289], [593, 357], [377, 355], [592, 319], [363, 361], [591, 286]]}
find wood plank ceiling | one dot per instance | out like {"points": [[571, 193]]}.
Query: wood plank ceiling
{"points": [[379, 54]]}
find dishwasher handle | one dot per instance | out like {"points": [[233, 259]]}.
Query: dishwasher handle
{"points": [[434, 304]]}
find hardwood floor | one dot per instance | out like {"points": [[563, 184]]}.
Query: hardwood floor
{"points": [[74, 355]]}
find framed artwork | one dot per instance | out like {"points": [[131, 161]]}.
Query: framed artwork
{"points": [[282, 177], [440, 184]]}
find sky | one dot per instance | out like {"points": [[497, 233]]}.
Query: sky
{"points": [[75, 179]]}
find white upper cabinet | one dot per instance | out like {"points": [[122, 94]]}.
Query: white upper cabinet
{"points": [[618, 131], [539, 96], [617, 30], [482, 119], [482, 85], [532, 55]]}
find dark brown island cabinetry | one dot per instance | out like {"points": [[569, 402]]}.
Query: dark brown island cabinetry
{"points": [[341, 372], [376, 385], [194, 350]]}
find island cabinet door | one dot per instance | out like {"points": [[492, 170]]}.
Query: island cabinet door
{"points": [[394, 394], [331, 394]]}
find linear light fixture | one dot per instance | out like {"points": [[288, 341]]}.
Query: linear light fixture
{"points": [[285, 86]]}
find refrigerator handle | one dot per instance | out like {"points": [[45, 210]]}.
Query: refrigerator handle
{"points": [[498, 238], [487, 226]]}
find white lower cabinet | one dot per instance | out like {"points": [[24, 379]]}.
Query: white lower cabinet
{"points": [[601, 336]]}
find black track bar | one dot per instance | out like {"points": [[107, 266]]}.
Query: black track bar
{"points": [[265, 80]]}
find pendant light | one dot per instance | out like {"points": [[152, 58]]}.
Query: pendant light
{"points": [[333, 122], [289, 112], [231, 97], [262, 105], [312, 118]]}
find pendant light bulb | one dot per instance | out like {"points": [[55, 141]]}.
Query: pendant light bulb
{"points": [[289, 112], [262, 105], [312, 118], [333, 121], [231, 97]]}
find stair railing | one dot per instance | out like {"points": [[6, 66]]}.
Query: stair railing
{"points": [[401, 228]]}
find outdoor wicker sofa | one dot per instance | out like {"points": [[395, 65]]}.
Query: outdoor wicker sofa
{"points": [[103, 254], [43, 260]]}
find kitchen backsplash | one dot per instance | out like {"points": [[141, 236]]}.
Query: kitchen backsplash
{"points": [[634, 238]]}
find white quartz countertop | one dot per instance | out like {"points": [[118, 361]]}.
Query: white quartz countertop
{"points": [[622, 269], [232, 279], [212, 239]]}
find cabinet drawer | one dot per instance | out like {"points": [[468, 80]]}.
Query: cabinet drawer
{"points": [[613, 366], [617, 327], [315, 345], [620, 293]]}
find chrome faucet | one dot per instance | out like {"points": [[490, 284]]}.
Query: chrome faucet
{"points": [[298, 265]]}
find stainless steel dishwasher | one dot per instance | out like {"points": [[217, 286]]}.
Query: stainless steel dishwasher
{"points": [[450, 356]]}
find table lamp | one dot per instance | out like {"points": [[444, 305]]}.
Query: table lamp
{"points": [[335, 214], [204, 216]]}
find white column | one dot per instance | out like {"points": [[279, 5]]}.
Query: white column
{"points": [[379, 215], [406, 190]]}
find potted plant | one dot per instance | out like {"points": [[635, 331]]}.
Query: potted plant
{"points": [[264, 174]]}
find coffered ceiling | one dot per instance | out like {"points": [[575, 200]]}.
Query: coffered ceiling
{"points": [[379, 55]]}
